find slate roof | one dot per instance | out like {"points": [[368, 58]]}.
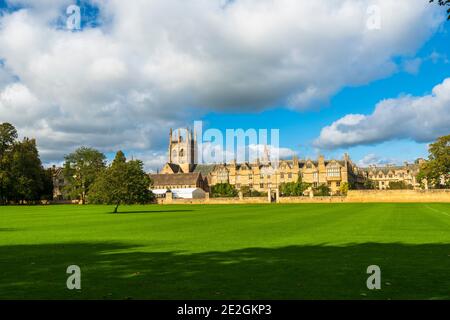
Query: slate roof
{"points": [[179, 179], [204, 169], [175, 168]]}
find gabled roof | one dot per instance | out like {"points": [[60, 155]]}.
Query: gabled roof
{"points": [[204, 169], [179, 179], [174, 167]]}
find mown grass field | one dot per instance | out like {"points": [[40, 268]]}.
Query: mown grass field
{"points": [[307, 251]]}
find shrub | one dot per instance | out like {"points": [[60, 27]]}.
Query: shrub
{"points": [[322, 190], [225, 190]]}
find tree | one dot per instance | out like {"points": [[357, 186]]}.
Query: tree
{"points": [[294, 189], [436, 171], [249, 192], [121, 183], [399, 185], [370, 184], [27, 180], [343, 189], [26, 171], [322, 190], [223, 190], [22, 176], [47, 184], [443, 3], [80, 170], [246, 191], [8, 135]]}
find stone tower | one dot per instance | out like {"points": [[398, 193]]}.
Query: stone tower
{"points": [[182, 149]]}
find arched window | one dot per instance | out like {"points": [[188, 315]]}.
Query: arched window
{"points": [[181, 153]]}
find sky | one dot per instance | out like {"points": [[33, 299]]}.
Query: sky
{"points": [[370, 78]]}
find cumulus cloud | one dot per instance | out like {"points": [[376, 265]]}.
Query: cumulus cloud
{"points": [[217, 153], [154, 64], [153, 161], [373, 159], [421, 119]]}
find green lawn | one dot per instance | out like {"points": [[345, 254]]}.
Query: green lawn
{"points": [[307, 251]]}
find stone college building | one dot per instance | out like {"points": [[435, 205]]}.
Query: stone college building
{"points": [[181, 171]]}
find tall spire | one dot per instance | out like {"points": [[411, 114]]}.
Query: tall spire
{"points": [[170, 145], [266, 156]]}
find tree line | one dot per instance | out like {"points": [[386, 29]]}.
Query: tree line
{"points": [[90, 180], [23, 179], [87, 176]]}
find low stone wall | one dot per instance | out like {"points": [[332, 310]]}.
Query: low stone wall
{"points": [[398, 196], [356, 196], [214, 201], [334, 199]]}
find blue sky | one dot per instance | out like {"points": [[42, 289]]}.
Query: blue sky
{"points": [[299, 129], [135, 70]]}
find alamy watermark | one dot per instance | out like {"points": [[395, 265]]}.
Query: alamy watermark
{"points": [[74, 280], [73, 21], [233, 145], [73, 13], [374, 280], [374, 19]]}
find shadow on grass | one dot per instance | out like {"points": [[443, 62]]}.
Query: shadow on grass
{"points": [[8, 229], [119, 271], [150, 211]]}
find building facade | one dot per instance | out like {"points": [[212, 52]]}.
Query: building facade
{"points": [[382, 176], [260, 175]]}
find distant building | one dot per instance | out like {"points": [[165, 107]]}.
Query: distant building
{"points": [[177, 181], [382, 176], [258, 175], [189, 193]]}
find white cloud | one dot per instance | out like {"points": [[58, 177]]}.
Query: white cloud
{"points": [[421, 119], [153, 161], [216, 153], [373, 159], [155, 64], [412, 66]]}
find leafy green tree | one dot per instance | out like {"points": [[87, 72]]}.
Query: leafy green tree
{"points": [[322, 190], [225, 190], [121, 183], [443, 3], [249, 192], [8, 135], [27, 173], [343, 189], [246, 191], [370, 184], [22, 176], [293, 189], [47, 184], [399, 185], [436, 171], [80, 170]]}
